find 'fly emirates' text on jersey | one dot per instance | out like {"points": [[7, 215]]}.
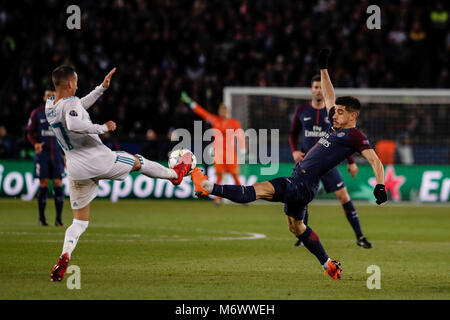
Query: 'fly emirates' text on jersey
{"points": [[311, 123], [332, 149]]}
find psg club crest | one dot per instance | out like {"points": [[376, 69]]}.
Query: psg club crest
{"points": [[341, 134]]}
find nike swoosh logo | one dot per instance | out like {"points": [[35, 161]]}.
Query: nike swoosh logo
{"points": [[307, 118], [340, 184]]}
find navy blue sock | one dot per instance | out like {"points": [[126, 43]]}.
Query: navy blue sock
{"points": [[352, 217], [42, 202], [59, 201], [312, 243], [240, 194]]}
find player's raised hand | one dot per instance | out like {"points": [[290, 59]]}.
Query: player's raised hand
{"points": [[352, 168], [108, 77], [322, 60], [111, 125], [186, 99]]}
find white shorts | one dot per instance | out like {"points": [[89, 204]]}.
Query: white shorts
{"points": [[82, 192]]}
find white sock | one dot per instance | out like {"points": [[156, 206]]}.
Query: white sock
{"points": [[207, 185], [155, 170], [73, 233], [325, 265]]}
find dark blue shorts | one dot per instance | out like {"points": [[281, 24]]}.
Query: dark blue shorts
{"points": [[332, 180], [44, 168], [295, 210], [295, 192]]}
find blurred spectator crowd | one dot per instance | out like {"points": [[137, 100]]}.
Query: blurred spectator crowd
{"points": [[162, 47]]}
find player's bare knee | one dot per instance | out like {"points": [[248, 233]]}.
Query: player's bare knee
{"points": [[43, 183], [292, 229], [264, 190], [342, 195], [299, 227], [57, 183]]}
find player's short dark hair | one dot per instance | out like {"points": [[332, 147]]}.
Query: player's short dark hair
{"points": [[315, 78], [351, 103], [62, 74]]}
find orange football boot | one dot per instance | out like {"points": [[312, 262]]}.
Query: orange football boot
{"points": [[334, 269], [197, 178]]}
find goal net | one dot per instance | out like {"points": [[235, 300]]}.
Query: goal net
{"points": [[416, 122]]}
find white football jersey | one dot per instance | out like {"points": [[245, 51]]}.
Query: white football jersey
{"points": [[86, 155]]}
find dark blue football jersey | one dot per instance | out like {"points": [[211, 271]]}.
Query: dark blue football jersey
{"points": [[39, 130], [331, 149], [312, 123]]}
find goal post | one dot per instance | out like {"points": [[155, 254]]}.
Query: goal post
{"points": [[417, 120]]}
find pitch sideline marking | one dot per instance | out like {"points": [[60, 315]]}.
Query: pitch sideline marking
{"points": [[145, 238], [177, 238]]}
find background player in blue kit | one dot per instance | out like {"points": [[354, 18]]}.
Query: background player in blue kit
{"points": [[48, 161], [311, 121], [296, 191]]}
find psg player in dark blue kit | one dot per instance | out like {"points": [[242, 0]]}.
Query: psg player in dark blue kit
{"points": [[340, 142], [311, 122], [48, 161]]}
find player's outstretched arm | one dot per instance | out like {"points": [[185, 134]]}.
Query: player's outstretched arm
{"points": [[198, 109], [88, 100], [325, 81], [186, 99], [76, 123], [108, 77], [377, 167]]}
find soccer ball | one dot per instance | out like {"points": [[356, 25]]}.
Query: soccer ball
{"points": [[175, 155]]}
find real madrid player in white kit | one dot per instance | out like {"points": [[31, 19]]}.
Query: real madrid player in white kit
{"points": [[88, 160]]}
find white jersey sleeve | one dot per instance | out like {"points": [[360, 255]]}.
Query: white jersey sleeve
{"points": [[86, 155], [76, 123], [89, 99]]}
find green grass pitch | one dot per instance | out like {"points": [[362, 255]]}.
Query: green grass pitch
{"points": [[193, 250]]}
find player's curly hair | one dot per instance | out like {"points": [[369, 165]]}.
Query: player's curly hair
{"points": [[351, 103]]}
